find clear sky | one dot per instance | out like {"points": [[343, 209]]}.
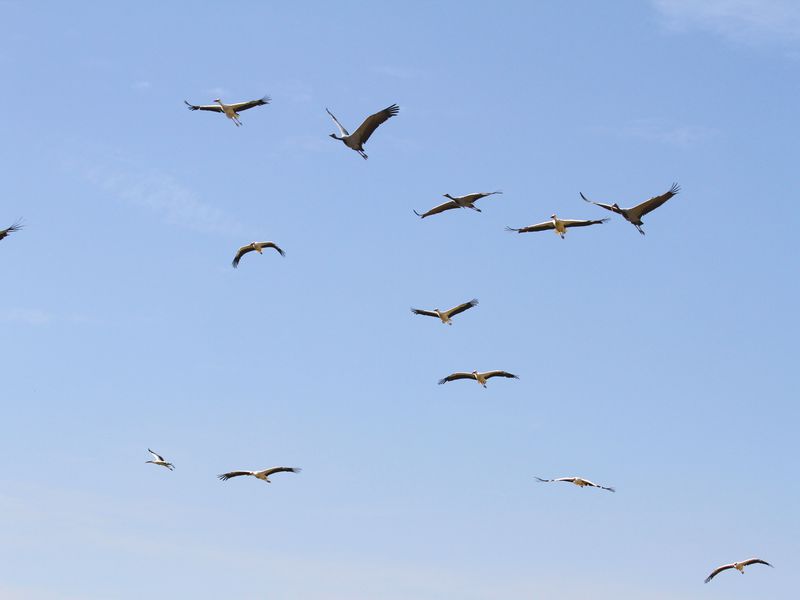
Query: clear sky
{"points": [[665, 365]]}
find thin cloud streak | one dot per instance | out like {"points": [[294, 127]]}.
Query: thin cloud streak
{"points": [[656, 130]]}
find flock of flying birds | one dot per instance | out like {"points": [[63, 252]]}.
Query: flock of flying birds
{"points": [[356, 141]]}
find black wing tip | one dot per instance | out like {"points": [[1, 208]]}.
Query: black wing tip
{"points": [[280, 251], [265, 99], [511, 229], [295, 469], [393, 110], [675, 188], [512, 376], [610, 489], [223, 477], [602, 220], [584, 197], [419, 215], [473, 302], [443, 380], [191, 106]]}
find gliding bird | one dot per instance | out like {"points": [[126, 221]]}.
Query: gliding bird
{"points": [[258, 247], [559, 225], [262, 475], [739, 566], [579, 481], [479, 377], [360, 136], [457, 202], [15, 227], [230, 110], [634, 215], [159, 460], [446, 315]]}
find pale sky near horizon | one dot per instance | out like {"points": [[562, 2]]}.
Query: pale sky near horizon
{"points": [[661, 364]]}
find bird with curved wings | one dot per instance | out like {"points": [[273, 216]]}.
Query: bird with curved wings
{"points": [[634, 214], [467, 201], [262, 475], [739, 566], [477, 376], [579, 481], [560, 226], [446, 315], [16, 226], [230, 110], [360, 136], [255, 247], [159, 460]]}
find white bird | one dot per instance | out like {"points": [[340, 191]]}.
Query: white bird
{"points": [[15, 227], [446, 315], [467, 201], [262, 475], [479, 377], [559, 225], [739, 566], [257, 247], [230, 110], [579, 481], [159, 460], [634, 215], [360, 136]]}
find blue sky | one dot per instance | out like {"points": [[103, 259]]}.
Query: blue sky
{"points": [[663, 365]]}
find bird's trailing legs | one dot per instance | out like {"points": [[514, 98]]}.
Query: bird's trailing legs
{"points": [[639, 227], [363, 154]]}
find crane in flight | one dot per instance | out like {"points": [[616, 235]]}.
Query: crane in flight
{"points": [[739, 566], [257, 247], [467, 201], [634, 214], [560, 226], [477, 376], [262, 475], [360, 136], [446, 315], [230, 110]]}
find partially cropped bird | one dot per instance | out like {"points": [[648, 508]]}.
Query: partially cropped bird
{"points": [[262, 475], [15, 227], [360, 136], [559, 225], [634, 214], [230, 110], [467, 201], [579, 481], [479, 377], [739, 566], [159, 460], [257, 247], [446, 315]]}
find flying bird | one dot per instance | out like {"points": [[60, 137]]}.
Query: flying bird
{"points": [[559, 225], [230, 110], [262, 475], [360, 136], [467, 201], [15, 227], [634, 215], [255, 246], [739, 566], [479, 377], [579, 481], [446, 315], [159, 460]]}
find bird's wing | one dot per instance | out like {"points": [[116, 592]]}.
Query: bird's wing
{"points": [[580, 223], [240, 106], [231, 474], [717, 571], [272, 245], [427, 313], [490, 374], [538, 227], [268, 472], [450, 204], [242, 251], [544, 480], [372, 122], [597, 485], [756, 561], [600, 204], [647, 206], [156, 456], [15, 227], [454, 376], [461, 308], [342, 131], [477, 196], [211, 107], [567, 479]]}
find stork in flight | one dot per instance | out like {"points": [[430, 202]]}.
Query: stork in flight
{"points": [[559, 225], [579, 481], [634, 215], [255, 246], [467, 201], [360, 136], [15, 227], [262, 475], [446, 315], [159, 460], [479, 377], [230, 110], [739, 566]]}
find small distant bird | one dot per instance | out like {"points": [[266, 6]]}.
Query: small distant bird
{"points": [[360, 136], [739, 566], [559, 225], [255, 246], [446, 315], [230, 110], [479, 377], [159, 460], [262, 475], [467, 201], [579, 481], [15, 227], [634, 215]]}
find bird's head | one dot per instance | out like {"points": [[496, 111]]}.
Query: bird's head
{"points": [[475, 372], [334, 136], [553, 216], [447, 196], [217, 100], [615, 205]]}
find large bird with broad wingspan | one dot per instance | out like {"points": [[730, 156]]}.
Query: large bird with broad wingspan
{"points": [[262, 475], [579, 481], [477, 376], [230, 110], [15, 227], [359, 137], [467, 201], [739, 566], [446, 315], [634, 214], [255, 247], [560, 226]]}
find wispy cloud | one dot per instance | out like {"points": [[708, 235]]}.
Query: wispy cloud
{"points": [[141, 85], [397, 72], [26, 316], [658, 130]]}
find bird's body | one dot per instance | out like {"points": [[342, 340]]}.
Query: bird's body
{"points": [[579, 481], [446, 315], [453, 202], [560, 226], [480, 377], [739, 566], [16, 226], [359, 137], [160, 461], [230, 110], [255, 247], [262, 475], [634, 214]]}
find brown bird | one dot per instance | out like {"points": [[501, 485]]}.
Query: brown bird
{"points": [[262, 475], [15, 227], [739, 566], [446, 315], [467, 201], [559, 225], [360, 136], [230, 110], [634, 215], [579, 481], [479, 377], [255, 246]]}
